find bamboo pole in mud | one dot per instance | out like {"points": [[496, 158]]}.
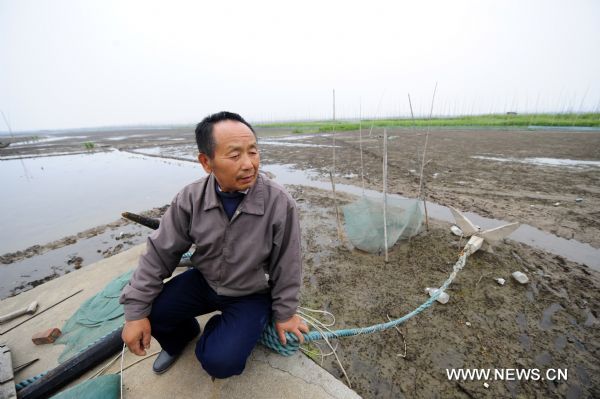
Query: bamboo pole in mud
{"points": [[333, 105], [423, 160], [385, 240], [337, 211], [422, 184], [362, 166], [421, 187], [331, 174], [333, 135]]}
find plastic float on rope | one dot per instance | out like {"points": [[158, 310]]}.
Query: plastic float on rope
{"points": [[442, 298]]}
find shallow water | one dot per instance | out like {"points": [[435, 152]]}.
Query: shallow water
{"points": [[286, 144], [47, 198], [63, 195], [44, 140], [24, 274], [558, 162]]}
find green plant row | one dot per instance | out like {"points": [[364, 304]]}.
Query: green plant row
{"points": [[580, 120]]}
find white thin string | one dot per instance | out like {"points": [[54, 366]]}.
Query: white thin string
{"points": [[121, 372], [323, 355], [103, 369], [141, 360], [326, 313], [320, 326]]}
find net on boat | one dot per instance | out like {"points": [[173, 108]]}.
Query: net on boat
{"points": [[95, 318]]}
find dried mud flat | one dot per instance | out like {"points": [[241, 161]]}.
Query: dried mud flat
{"points": [[538, 195], [549, 323]]}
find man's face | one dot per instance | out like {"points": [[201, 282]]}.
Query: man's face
{"points": [[236, 159]]}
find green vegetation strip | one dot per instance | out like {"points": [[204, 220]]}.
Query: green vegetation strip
{"points": [[493, 120]]}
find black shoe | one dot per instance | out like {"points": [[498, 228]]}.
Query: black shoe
{"points": [[164, 361]]}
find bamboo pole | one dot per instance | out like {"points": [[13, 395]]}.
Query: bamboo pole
{"points": [[424, 152], [331, 174], [337, 211], [362, 166], [385, 240]]}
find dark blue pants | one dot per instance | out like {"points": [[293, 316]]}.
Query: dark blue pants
{"points": [[228, 338]]}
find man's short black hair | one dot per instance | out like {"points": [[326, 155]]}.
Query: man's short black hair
{"points": [[204, 130]]}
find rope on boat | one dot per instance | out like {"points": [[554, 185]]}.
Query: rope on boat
{"points": [[29, 381]]}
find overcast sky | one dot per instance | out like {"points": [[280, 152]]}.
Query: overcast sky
{"points": [[68, 64]]}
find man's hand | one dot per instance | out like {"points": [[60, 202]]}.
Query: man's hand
{"points": [[294, 325], [136, 334]]}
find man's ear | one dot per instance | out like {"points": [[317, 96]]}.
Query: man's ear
{"points": [[205, 162]]}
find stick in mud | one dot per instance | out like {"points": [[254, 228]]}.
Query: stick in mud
{"points": [[337, 211], [421, 187], [385, 154], [362, 167], [424, 152]]}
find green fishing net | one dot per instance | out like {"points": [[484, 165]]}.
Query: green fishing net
{"points": [[104, 387], [95, 318], [363, 222]]}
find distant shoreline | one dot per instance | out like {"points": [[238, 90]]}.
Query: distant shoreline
{"points": [[544, 120]]}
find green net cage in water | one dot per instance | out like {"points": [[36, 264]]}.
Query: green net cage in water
{"points": [[363, 222]]}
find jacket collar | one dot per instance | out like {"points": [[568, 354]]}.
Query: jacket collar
{"points": [[253, 203]]}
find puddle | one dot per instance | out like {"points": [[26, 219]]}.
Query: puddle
{"points": [[522, 321], [299, 137], [27, 273], [558, 162], [186, 152], [560, 342], [285, 144], [543, 359], [546, 322], [22, 157], [54, 197], [565, 128], [45, 139], [570, 249], [525, 342]]}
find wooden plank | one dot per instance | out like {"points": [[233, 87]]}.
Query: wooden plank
{"points": [[7, 383]]}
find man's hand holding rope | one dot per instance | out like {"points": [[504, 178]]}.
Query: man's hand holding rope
{"points": [[294, 325]]}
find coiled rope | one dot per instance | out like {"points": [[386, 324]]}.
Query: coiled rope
{"points": [[270, 339]]}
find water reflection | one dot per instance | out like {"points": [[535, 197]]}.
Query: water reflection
{"points": [[52, 197]]}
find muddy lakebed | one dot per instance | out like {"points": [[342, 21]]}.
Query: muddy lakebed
{"points": [[548, 180]]}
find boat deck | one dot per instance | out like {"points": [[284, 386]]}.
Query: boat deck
{"points": [[267, 374]]}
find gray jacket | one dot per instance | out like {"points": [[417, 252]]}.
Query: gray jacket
{"points": [[235, 257]]}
